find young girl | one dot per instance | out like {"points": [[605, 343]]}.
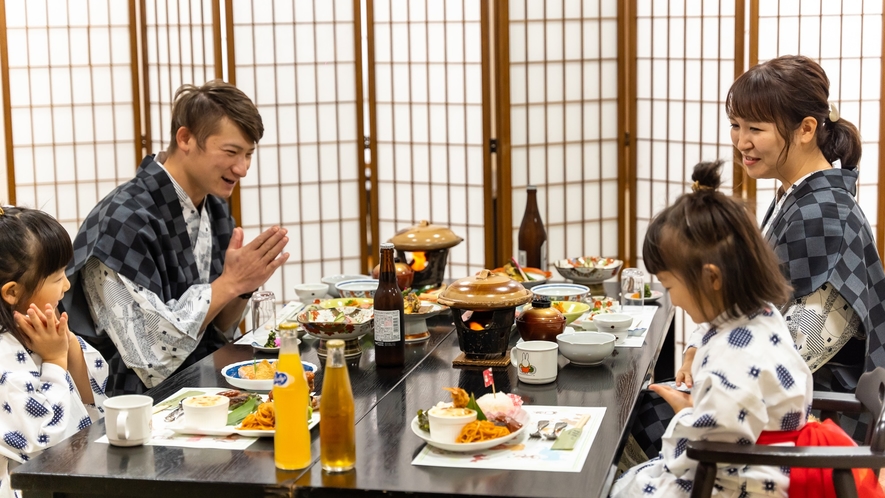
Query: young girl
{"points": [[748, 377], [50, 381]]}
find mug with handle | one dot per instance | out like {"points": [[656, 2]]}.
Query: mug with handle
{"points": [[535, 361], [128, 419]]}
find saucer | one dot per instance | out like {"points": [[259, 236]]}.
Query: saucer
{"points": [[655, 295], [523, 418]]}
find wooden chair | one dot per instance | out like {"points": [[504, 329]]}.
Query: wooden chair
{"points": [[870, 396]]}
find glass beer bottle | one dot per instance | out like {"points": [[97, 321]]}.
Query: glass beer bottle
{"points": [[337, 434], [532, 238], [290, 398], [390, 337]]}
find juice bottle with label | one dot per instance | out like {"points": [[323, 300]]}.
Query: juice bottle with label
{"points": [[337, 430], [290, 399]]}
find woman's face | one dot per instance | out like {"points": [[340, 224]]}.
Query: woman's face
{"points": [[760, 146]]}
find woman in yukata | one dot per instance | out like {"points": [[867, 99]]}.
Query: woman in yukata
{"points": [[748, 376], [50, 381]]}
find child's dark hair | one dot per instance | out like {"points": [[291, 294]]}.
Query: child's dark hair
{"points": [[709, 227], [34, 246], [786, 90]]}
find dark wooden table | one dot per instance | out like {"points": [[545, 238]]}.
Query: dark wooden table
{"points": [[386, 401]]}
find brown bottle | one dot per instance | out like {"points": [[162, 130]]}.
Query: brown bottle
{"points": [[532, 237], [390, 337]]}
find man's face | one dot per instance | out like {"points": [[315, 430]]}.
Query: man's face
{"points": [[223, 161]]}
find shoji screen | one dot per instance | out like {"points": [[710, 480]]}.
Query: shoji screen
{"points": [[297, 60], [564, 122], [429, 115], [685, 65], [178, 47], [70, 117], [846, 39]]}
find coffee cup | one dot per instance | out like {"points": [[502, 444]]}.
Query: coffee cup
{"points": [[206, 411], [128, 419], [535, 361]]}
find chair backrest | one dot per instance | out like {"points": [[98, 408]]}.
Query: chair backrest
{"points": [[871, 393]]}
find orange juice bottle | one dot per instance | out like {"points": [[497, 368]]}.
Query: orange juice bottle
{"points": [[337, 431], [290, 399]]}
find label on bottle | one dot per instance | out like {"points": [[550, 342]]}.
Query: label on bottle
{"points": [[543, 263], [387, 326], [281, 379], [522, 257]]}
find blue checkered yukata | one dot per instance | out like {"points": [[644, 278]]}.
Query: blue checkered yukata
{"points": [[141, 276], [822, 238], [39, 403], [748, 378]]}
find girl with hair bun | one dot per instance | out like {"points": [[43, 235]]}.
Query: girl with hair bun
{"points": [[748, 378], [783, 127]]}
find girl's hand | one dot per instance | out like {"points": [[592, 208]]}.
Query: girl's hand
{"points": [[683, 375], [45, 335], [677, 400]]}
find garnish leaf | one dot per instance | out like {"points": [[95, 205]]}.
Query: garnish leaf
{"points": [[473, 406], [239, 413]]}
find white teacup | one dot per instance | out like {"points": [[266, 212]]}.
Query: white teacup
{"points": [[205, 411], [128, 419], [535, 361]]}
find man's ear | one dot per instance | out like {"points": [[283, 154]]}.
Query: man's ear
{"points": [[10, 292], [185, 139], [712, 276]]}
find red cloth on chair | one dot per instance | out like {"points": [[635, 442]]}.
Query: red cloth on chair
{"points": [[818, 483]]}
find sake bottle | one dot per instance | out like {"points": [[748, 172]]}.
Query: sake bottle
{"points": [[532, 238]]}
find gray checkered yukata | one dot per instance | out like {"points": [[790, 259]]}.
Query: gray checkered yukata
{"points": [[821, 235], [139, 232]]}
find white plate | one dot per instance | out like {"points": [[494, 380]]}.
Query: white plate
{"points": [[231, 375], [523, 418], [655, 295], [179, 428]]}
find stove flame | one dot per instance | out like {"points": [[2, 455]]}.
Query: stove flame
{"points": [[475, 326], [419, 261]]}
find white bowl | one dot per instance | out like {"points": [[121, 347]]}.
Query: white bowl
{"points": [[447, 428], [335, 279], [617, 324], [231, 374], [562, 291], [358, 288], [309, 292], [586, 348]]}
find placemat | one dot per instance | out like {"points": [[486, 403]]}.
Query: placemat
{"points": [[525, 453], [463, 361]]}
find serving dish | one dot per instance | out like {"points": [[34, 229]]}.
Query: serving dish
{"points": [[562, 291], [655, 295], [522, 417], [232, 375], [178, 427]]}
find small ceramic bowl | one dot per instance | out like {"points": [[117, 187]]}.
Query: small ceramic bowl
{"points": [[357, 288], [571, 310], [586, 348], [335, 279], [308, 292], [617, 324], [562, 291]]}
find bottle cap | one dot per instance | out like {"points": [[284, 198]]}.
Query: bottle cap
{"points": [[385, 245], [531, 187], [335, 343]]}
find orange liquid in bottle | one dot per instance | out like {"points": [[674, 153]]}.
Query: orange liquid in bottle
{"points": [[290, 398], [337, 435]]}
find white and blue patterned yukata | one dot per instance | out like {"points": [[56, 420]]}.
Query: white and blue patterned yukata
{"points": [[39, 403], [748, 378]]}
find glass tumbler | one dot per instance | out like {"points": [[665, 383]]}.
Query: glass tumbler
{"points": [[632, 282], [264, 312]]}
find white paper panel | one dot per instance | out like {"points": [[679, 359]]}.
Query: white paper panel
{"points": [[428, 86], [299, 68], [69, 79]]}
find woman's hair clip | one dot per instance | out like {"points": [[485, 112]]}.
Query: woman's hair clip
{"points": [[834, 113], [696, 186]]}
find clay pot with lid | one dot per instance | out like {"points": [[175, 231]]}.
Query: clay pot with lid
{"points": [[429, 245], [541, 322], [483, 308], [404, 274]]}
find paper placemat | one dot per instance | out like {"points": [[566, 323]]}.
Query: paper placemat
{"points": [[525, 453], [161, 436]]}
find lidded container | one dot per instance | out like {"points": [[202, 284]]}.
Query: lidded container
{"points": [[483, 308], [429, 247], [540, 322]]}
